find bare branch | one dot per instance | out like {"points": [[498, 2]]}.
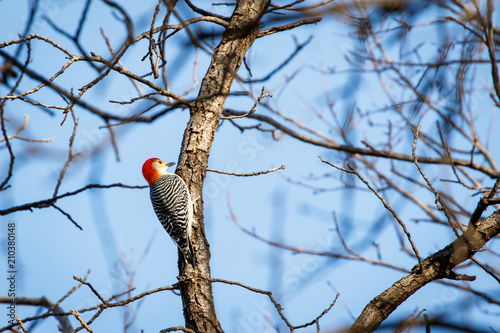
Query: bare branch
{"points": [[54, 309], [21, 324], [22, 128], [35, 36], [368, 152], [282, 167], [288, 26], [298, 48], [136, 77], [84, 324], [152, 45], [439, 201], [486, 269], [4, 130], [486, 201], [316, 320], [70, 155], [177, 328], [386, 205], [100, 307], [49, 202], [254, 107], [83, 281], [68, 216], [437, 266], [298, 249], [180, 26], [204, 12], [278, 307]]}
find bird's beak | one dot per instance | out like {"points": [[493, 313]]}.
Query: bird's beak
{"points": [[169, 164]]}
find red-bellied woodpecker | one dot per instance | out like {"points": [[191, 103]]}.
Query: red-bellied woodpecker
{"points": [[171, 203]]}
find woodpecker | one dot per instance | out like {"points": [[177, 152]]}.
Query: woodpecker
{"points": [[171, 203]]}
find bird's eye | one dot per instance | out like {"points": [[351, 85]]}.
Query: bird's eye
{"points": [[160, 162]]}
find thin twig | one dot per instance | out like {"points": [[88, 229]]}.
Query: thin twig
{"points": [[152, 44], [288, 26], [22, 128], [298, 48], [113, 140], [278, 307], [341, 237], [486, 269], [440, 204], [316, 320], [204, 12], [282, 167], [135, 98], [21, 324], [67, 215], [3, 185], [72, 290], [177, 328], [91, 288], [386, 205], [297, 249], [254, 107], [84, 324], [180, 26], [70, 155]]}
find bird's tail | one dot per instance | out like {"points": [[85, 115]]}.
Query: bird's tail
{"points": [[188, 254]]}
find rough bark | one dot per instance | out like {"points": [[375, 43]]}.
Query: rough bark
{"points": [[437, 266], [194, 282]]}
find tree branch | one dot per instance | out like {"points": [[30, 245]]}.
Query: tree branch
{"points": [[288, 26], [386, 205], [46, 303], [258, 173], [278, 307], [49, 202], [492, 173], [437, 266]]}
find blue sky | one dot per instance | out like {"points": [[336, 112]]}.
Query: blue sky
{"points": [[119, 225]]}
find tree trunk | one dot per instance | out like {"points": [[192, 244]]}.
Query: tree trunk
{"points": [[194, 283]]}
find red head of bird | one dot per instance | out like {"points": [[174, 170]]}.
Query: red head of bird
{"points": [[154, 168]]}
